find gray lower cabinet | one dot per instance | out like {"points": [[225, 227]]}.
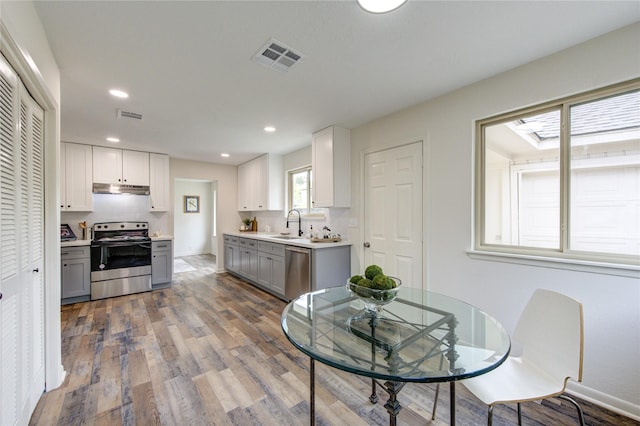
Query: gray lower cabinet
{"points": [[249, 259], [263, 264], [271, 269], [231, 254], [161, 263], [76, 274]]}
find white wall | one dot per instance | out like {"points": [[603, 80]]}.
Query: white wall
{"points": [[41, 75], [446, 125], [192, 231]]}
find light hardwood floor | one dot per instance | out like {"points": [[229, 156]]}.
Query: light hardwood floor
{"points": [[210, 350]]}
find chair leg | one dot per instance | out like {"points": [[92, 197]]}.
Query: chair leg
{"points": [[490, 416], [435, 402], [575, 404], [519, 415]]}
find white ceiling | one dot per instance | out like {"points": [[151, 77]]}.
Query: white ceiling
{"points": [[187, 65]]}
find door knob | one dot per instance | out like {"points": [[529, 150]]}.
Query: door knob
{"points": [[366, 244], [36, 270]]}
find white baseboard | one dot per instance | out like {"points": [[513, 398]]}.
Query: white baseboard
{"points": [[609, 402]]}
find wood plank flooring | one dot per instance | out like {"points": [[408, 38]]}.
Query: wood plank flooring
{"points": [[210, 351]]}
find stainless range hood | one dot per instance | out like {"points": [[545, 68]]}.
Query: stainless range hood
{"points": [[106, 188]]}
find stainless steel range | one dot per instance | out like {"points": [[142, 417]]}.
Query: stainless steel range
{"points": [[120, 259]]}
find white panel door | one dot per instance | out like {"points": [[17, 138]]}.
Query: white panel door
{"points": [[393, 212]]}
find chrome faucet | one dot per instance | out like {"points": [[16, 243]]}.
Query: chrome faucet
{"points": [[299, 221]]}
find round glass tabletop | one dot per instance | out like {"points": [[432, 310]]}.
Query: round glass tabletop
{"points": [[420, 336]]}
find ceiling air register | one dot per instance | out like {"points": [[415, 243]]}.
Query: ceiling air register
{"points": [[277, 56]]}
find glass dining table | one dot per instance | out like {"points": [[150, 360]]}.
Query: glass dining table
{"points": [[419, 336]]}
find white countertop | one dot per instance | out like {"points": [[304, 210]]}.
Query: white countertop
{"points": [[76, 243], [300, 242], [162, 238]]}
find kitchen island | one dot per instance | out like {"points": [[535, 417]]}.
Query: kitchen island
{"points": [[285, 265]]}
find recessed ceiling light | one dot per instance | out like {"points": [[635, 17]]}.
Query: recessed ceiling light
{"points": [[112, 139], [118, 93], [225, 155], [269, 129]]}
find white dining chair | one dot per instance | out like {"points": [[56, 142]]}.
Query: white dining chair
{"points": [[550, 334]]}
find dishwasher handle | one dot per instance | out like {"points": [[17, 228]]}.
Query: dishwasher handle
{"points": [[297, 249]]}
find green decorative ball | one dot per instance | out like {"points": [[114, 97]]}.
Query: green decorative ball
{"points": [[372, 271]]}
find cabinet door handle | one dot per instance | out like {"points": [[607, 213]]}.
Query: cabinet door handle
{"points": [[0, 296], [64, 265], [367, 244]]}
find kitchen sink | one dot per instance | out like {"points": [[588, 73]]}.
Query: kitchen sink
{"points": [[286, 237]]}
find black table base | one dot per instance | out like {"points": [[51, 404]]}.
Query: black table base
{"points": [[393, 389]]}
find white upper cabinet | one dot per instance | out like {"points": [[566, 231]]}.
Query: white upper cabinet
{"points": [[245, 188], [117, 166], [76, 174], [159, 182], [331, 165], [261, 184]]}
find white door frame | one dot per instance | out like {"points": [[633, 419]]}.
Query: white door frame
{"points": [[35, 83]]}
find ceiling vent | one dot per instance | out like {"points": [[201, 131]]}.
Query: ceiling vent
{"points": [[277, 56], [128, 114]]}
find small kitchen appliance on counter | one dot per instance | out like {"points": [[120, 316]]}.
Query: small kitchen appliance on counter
{"points": [[120, 259]]}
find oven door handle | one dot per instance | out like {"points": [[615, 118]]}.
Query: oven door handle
{"points": [[124, 244]]}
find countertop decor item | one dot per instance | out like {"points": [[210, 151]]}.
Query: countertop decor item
{"points": [[66, 233], [325, 240]]}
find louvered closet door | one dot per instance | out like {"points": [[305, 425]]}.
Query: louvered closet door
{"points": [[9, 270], [21, 245], [31, 244]]}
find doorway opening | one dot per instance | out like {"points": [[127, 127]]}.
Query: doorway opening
{"points": [[195, 223]]}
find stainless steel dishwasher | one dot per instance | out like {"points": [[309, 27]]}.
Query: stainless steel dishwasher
{"points": [[297, 278]]}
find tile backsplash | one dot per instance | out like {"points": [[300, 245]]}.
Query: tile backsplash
{"points": [[336, 219], [117, 208]]}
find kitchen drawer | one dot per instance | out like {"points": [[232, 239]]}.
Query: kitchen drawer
{"points": [[67, 253], [273, 248], [249, 243], [157, 246], [265, 247], [277, 249], [231, 239]]}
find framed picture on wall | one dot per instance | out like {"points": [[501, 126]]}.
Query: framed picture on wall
{"points": [[192, 204]]}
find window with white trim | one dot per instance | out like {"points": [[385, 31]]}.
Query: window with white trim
{"points": [[300, 190], [562, 179]]}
